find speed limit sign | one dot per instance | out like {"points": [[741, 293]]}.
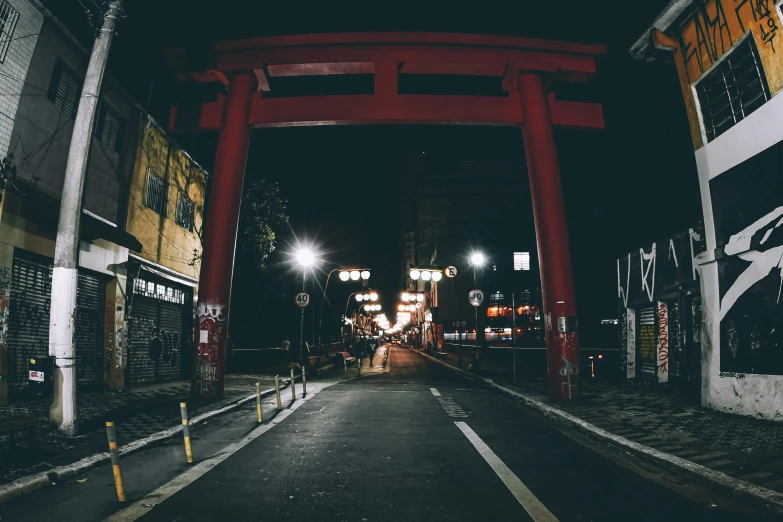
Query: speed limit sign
{"points": [[476, 297], [302, 299]]}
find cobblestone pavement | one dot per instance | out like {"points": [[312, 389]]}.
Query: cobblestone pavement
{"points": [[137, 413], [664, 419]]}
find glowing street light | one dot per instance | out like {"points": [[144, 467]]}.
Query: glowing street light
{"points": [[373, 296], [305, 257], [359, 297], [405, 296], [477, 259], [365, 274], [415, 274], [345, 276], [355, 275], [426, 275], [437, 276]]}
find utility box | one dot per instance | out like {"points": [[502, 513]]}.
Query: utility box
{"points": [[40, 375]]}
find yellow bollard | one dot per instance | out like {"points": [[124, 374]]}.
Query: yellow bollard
{"points": [[304, 381], [183, 408], [259, 411], [277, 394], [293, 386], [115, 461]]}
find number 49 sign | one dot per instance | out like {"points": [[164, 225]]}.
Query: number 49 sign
{"points": [[302, 299]]}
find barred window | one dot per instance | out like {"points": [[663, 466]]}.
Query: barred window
{"points": [[735, 88], [157, 192], [160, 291], [110, 127], [185, 208], [8, 18], [64, 88]]}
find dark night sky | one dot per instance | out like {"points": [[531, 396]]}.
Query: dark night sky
{"points": [[625, 186]]}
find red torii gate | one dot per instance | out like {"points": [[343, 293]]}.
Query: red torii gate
{"points": [[526, 68]]}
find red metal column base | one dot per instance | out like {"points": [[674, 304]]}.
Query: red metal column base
{"points": [[554, 256], [221, 222]]}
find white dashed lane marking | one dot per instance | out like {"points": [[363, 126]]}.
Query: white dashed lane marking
{"points": [[435, 392]]}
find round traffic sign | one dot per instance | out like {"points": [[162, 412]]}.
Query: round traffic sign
{"points": [[302, 299], [476, 297], [450, 271]]}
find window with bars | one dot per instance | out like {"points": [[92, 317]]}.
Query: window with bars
{"points": [[8, 18], [110, 127], [64, 88], [185, 210], [735, 88], [157, 192], [158, 291]]}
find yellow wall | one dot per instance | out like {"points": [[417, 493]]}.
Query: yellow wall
{"points": [[164, 242], [712, 31]]}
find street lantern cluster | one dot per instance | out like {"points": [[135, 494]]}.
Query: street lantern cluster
{"points": [[354, 274], [408, 308], [372, 308], [367, 296], [413, 297], [426, 274]]}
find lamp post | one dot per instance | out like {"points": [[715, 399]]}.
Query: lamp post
{"points": [[477, 261], [305, 258], [346, 274]]}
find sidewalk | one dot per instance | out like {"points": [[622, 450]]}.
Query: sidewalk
{"points": [[137, 413], [744, 448]]}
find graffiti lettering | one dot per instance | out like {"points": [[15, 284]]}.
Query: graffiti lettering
{"points": [[705, 37], [763, 12], [648, 286], [663, 342], [723, 375], [212, 344], [631, 346], [5, 284]]}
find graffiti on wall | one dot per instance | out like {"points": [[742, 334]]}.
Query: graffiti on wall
{"points": [[630, 315], [663, 343], [719, 24], [748, 209], [114, 340], [5, 294], [212, 319]]}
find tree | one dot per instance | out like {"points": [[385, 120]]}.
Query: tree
{"points": [[263, 212]]}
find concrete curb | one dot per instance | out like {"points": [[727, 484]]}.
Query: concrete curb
{"points": [[768, 497], [31, 483]]}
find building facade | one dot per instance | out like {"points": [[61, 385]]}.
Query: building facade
{"points": [[729, 63], [659, 311], [108, 337]]}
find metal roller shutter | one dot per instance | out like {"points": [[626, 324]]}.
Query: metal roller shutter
{"points": [[28, 332], [28, 321], [90, 296], [159, 325]]}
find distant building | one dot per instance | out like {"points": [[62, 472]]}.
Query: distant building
{"points": [[123, 335], [730, 67]]}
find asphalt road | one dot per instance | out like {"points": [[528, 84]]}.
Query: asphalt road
{"points": [[412, 441]]}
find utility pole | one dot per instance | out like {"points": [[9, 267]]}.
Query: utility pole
{"points": [[62, 413]]}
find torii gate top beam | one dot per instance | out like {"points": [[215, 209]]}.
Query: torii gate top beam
{"points": [[386, 56]]}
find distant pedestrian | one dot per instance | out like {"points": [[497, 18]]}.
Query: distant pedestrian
{"points": [[371, 350]]}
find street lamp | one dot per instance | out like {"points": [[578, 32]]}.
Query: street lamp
{"points": [[426, 275], [415, 274], [365, 274], [305, 258], [373, 296], [477, 260], [345, 276], [355, 275]]}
